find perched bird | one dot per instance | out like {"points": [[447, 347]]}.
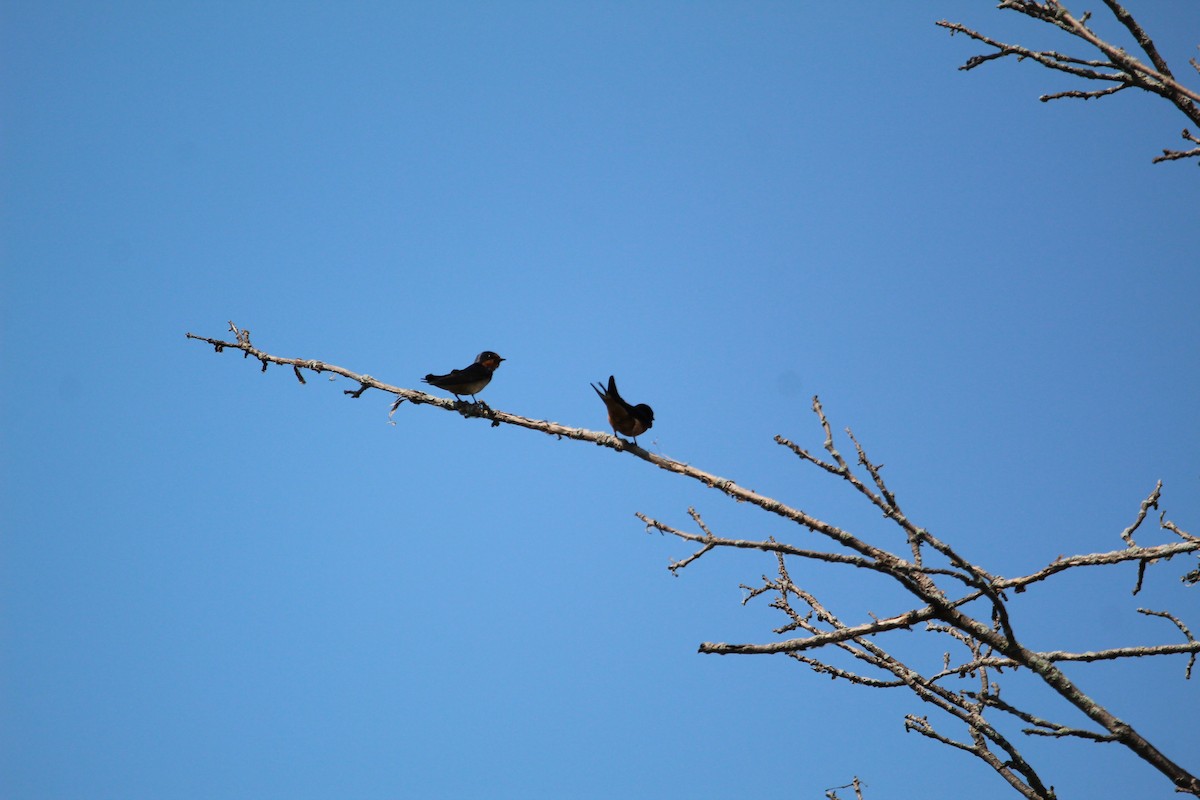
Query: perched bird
{"points": [[624, 418], [470, 380]]}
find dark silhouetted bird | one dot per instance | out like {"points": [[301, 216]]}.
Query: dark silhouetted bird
{"points": [[624, 418], [470, 380]]}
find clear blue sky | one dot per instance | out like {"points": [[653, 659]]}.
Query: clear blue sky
{"points": [[218, 583]]}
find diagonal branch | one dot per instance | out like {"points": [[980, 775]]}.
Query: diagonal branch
{"points": [[1161, 551], [723, 485], [1112, 654], [1043, 727], [1143, 40], [1147, 504], [905, 620], [770, 545]]}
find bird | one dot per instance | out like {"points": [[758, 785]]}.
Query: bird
{"points": [[469, 380], [624, 418]]}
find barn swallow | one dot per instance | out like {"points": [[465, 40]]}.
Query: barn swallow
{"points": [[624, 418], [470, 380]]}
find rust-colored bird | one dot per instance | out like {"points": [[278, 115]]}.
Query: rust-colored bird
{"points": [[469, 380], [624, 418]]}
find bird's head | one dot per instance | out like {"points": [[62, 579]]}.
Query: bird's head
{"points": [[645, 413], [488, 360]]}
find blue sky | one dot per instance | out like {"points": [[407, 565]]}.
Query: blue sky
{"points": [[219, 583]]}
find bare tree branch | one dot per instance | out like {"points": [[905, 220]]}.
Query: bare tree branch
{"points": [[1147, 504], [990, 640], [1192, 646], [856, 785], [1043, 727], [1115, 64], [1140, 36]]}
